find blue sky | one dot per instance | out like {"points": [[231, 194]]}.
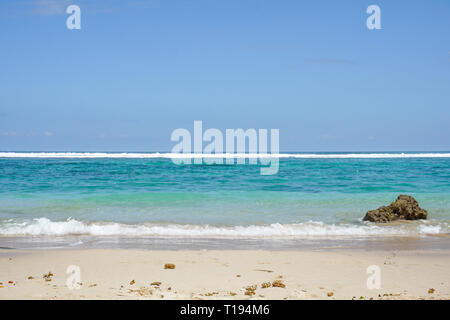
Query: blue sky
{"points": [[137, 70]]}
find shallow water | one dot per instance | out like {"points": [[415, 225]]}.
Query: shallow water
{"points": [[151, 196]]}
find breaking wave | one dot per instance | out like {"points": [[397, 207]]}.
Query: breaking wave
{"points": [[44, 226], [126, 155]]}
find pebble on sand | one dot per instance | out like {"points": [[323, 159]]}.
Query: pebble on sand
{"points": [[169, 266], [278, 284]]}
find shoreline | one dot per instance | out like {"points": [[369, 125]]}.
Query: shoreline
{"points": [[225, 274], [159, 243]]}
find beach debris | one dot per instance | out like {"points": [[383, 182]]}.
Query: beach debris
{"points": [[209, 294], [278, 284], [265, 285], [169, 266], [404, 208], [232, 293], [48, 276], [250, 290], [132, 282], [1, 286], [264, 270], [143, 291], [156, 283], [330, 294], [238, 276], [92, 285], [431, 290], [30, 278], [11, 282]]}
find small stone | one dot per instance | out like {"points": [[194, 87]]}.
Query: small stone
{"points": [[265, 285], [156, 283], [431, 290], [48, 276], [132, 282], [330, 294], [250, 291], [169, 266], [278, 284], [30, 278]]}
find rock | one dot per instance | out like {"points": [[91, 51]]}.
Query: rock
{"points": [[250, 291], [404, 208], [278, 284], [169, 266]]}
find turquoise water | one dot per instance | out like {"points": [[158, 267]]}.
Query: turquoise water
{"points": [[153, 196]]}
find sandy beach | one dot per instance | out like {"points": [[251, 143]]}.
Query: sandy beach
{"points": [[227, 274]]}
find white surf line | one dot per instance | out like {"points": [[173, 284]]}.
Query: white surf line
{"points": [[92, 155]]}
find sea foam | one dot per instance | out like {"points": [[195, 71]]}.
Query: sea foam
{"points": [[127, 155], [44, 226]]}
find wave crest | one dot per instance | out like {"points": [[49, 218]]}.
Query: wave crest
{"points": [[126, 155], [44, 226]]}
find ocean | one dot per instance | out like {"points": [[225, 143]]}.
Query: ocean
{"points": [[70, 199]]}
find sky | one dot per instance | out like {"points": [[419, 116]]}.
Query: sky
{"points": [[137, 70]]}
